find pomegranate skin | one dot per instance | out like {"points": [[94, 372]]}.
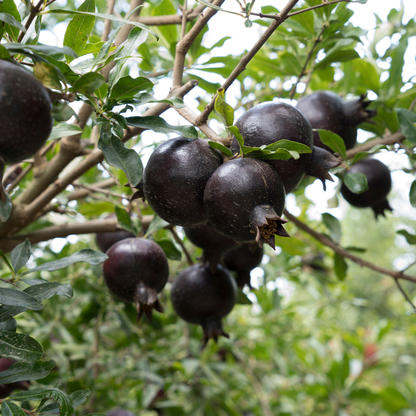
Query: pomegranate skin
{"points": [[379, 185], [244, 200], [25, 113], [106, 240], [202, 297], [175, 177], [135, 271]]}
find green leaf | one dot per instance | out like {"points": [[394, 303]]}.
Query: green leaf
{"points": [[333, 225], [8, 326], [136, 37], [412, 194], [49, 75], [6, 260], [340, 266], [9, 7], [8, 18], [15, 297], [119, 156], [66, 407], [220, 147], [8, 408], [79, 28], [339, 55], [78, 397], [128, 87], [393, 400], [411, 238], [240, 139], [4, 53], [213, 6], [158, 125], [62, 112], [45, 49], [43, 291], [20, 255], [89, 256], [88, 83], [333, 141], [20, 347], [124, 219], [242, 299], [26, 371], [224, 111], [248, 23], [170, 249], [5, 206], [156, 224], [407, 120], [356, 182], [64, 130]]}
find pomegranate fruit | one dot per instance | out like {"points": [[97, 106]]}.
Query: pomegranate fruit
{"points": [[244, 200], [268, 123], [6, 389], [242, 260], [202, 297], [326, 110], [106, 240], [175, 177], [25, 113], [379, 184], [136, 271]]}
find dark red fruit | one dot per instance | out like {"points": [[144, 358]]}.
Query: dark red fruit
{"points": [[6, 389], [268, 123], [202, 297], [175, 177], [326, 110], [379, 184], [25, 113], [136, 271], [244, 200], [242, 260]]}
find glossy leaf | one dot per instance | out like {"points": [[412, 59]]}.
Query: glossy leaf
{"points": [[9, 19], [78, 397], [224, 110], [220, 147], [88, 83], [45, 49], [26, 371], [64, 130], [8, 408], [20, 347], [128, 87], [20, 255], [333, 141], [8, 326], [124, 219], [9, 7], [356, 182], [15, 297]]}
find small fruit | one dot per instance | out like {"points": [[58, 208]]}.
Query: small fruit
{"points": [[243, 260], [326, 110], [268, 123], [25, 113], [244, 200], [136, 271], [6, 389], [202, 297], [175, 177], [379, 184]]}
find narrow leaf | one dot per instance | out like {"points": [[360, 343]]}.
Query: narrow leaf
{"points": [[78, 397], [333, 141], [20, 255], [412, 194], [224, 110], [20, 347], [64, 130], [45, 49], [6, 260], [220, 147], [26, 371], [15, 297], [8, 18], [8, 408], [410, 238]]}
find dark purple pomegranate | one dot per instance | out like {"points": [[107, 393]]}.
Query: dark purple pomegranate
{"points": [[202, 297], [106, 240], [175, 177], [326, 110], [268, 123], [136, 271], [6, 389], [244, 200], [379, 184], [242, 260]]}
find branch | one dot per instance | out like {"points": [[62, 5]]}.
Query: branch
{"points": [[280, 18], [180, 242], [405, 295], [344, 253], [33, 12], [107, 23]]}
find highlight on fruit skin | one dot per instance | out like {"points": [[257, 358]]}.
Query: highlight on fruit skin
{"points": [[202, 297], [326, 110], [379, 185], [136, 271], [175, 177], [25, 113], [244, 200]]}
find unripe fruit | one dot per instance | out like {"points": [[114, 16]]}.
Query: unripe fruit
{"points": [[379, 185], [25, 113], [202, 297], [175, 177], [136, 271]]}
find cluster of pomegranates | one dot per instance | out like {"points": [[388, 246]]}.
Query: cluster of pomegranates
{"points": [[230, 208]]}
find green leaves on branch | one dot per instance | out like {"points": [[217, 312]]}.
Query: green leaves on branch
{"points": [[20, 347], [223, 110], [26, 371], [407, 121]]}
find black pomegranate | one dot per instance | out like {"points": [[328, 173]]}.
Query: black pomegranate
{"points": [[379, 184], [268, 123], [242, 260], [136, 271], [326, 110], [244, 200], [202, 297], [175, 177]]}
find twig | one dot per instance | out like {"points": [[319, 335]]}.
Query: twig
{"points": [[33, 12], [107, 23], [184, 13], [412, 106], [180, 242], [8, 281], [102, 191], [344, 253], [405, 295]]}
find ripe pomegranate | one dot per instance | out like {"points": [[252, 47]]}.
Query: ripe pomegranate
{"points": [[379, 184], [202, 297], [268, 123], [244, 200], [6, 389], [175, 177], [242, 260], [25, 113], [136, 271], [326, 110]]}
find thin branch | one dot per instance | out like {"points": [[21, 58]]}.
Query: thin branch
{"points": [[180, 242], [344, 253], [280, 18], [102, 191], [82, 193], [107, 23], [33, 12], [184, 19], [405, 295]]}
